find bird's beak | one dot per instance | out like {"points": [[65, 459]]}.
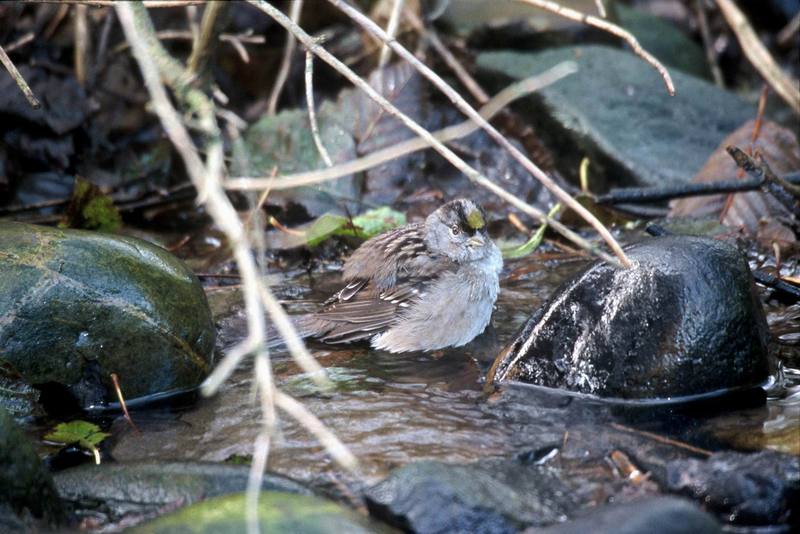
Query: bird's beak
{"points": [[476, 241]]}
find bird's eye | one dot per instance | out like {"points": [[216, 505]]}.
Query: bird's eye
{"points": [[455, 230]]}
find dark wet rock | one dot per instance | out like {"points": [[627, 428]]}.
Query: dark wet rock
{"points": [[25, 485], [277, 512], [64, 103], [77, 306], [493, 496], [617, 111], [664, 40], [116, 489], [664, 515], [683, 321], [745, 489]]}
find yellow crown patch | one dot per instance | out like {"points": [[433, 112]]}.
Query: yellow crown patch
{"points": [[475, 220]]}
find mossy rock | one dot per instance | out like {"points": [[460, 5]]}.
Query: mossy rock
{"points": [[25, 485], [277, 512], [77, 306]]}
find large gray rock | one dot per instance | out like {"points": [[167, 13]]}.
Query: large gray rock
{"points": [[76, 306], [116, 489], [493, 496], [617, 112], [682, 322]]}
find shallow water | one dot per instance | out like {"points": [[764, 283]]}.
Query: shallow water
{"points": [[392, 409]]}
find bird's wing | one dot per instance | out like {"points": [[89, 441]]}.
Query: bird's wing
{"points": [[389, 257], [361, 310]]}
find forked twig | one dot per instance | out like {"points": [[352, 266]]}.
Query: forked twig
{"points": [[613, 29]]}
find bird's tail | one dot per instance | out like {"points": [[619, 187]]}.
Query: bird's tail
{"points": [[302, 325]]}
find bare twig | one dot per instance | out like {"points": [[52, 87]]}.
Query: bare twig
{"points": [[601, 8], [465, 108], [458, 69], [286, 62], [759, 56], [19, 43], [391, 30], [110, 3], [81, 43], [661, 439], [21, 83], [233, 39], [200, 48], [312, 115], [705, 34], [123, 405], [606, 26], [788, 32], [379, 157], [315, 426]]}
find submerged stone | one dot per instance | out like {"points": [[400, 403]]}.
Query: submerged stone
{"points": [[745, 489], [684, 321], [671, 515], [116, 489], [76, 306], [277, 512], [616, 110], [494, 496]]}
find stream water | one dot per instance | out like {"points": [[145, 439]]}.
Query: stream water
{"points": [[393, 409]]}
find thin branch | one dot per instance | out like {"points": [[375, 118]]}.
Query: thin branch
{"points": [[391, 30], [601, 8], [465, 108], [606, 26], [708, 46], [379, 157], [759, 56], [312, 114], [286, 62], [450, 60], [200, 48], [337, 449], [170, 35], [21, 83], [81, 43], [448, 154], [112, 3], [283, 324]]}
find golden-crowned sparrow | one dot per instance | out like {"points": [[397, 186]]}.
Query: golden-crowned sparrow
{"points": [[421, 287]]}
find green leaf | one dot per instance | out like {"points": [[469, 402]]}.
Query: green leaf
{"points": [[375, 222], [324, 227], [366, 225], [87, 435], [533, 242]]}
